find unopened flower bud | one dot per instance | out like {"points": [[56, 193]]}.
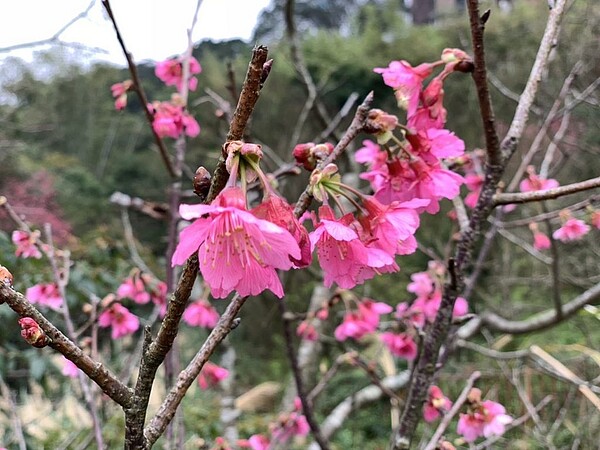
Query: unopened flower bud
{"points": [[201, 182], [32, 333], [381, 124], [5, 276], [454, 55], [474, 396]]}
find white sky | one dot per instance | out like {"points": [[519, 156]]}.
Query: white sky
{"points": [[152, 29]]}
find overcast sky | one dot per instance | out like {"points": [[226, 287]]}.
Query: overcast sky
{"points": [[152, 29]]}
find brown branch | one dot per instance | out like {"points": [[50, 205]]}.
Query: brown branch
{"points": [[494, 158], [100, 375], [298, 378], [542, 320], [433, 442], [548, 42], [437, 332], [547, 194], [139, 90], [592, 200], [157, 350], [246, 103], [366, 395], [187, 376]]}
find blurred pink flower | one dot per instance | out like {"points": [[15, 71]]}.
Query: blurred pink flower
{"points": [[437, 404], [541, 241], [134, 288], [201, 314], [307, 330], [211, 375], [487, 419], [572, 230], [401, 345], [121, 321], [69, 368], [170, 72], [26, 244], [45, 295]]}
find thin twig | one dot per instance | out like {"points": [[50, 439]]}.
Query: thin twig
{"points": [[306, 406], [14, 413], [55, 37], [139, 90], [547, 194], [433, 442]]}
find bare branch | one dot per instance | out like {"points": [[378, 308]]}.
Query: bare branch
{"points": [[433, 442], [137, 86], [547, 194], [55, 37], [100, 375]]}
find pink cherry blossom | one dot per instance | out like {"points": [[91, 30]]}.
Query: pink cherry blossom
{"points": [[487, 419], [422, 284], [406, 80], [121, 321], [133, 287], [392, 224], [26, 244], [170, 72], [201, 314], [211, 375], [572, 230], [288, 426], [236, 250], [45, 295], [353, 326], [536, 183], [437, 404], [171, 120], [69, 368], [255, 442], [276, 210], [343, 257], [541, 241], [401, 345], [307, 330], [439, 142]]}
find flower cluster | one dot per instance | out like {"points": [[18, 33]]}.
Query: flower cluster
{"points": [[171, 119], [27, 244], [119, 93], [483, 418], [143, 288], [170, 72], [412, 167], [427, 286], [116, 316]]}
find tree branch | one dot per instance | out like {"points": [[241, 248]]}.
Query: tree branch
{"points": [[139, 90], [100, 375], [433, 442], [356, 127], [547, 194]]}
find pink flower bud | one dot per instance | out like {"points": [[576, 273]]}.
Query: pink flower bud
{"points": [[32, 333], [5, 276]]}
